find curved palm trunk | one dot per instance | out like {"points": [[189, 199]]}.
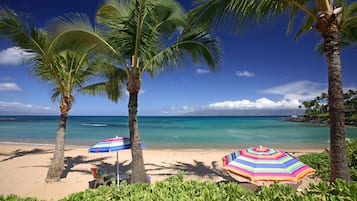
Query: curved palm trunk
{"points": [[138, 168], [338, 152], [57, 165]]}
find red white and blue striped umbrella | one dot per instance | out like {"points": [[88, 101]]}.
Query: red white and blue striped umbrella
{"points": [[259, 164], [111, 145]]}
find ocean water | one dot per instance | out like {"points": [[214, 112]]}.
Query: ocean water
{"points": [[171, 132]]}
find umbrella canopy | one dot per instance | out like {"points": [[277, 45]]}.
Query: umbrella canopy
{"points": [[111, 145], [260, 164]]}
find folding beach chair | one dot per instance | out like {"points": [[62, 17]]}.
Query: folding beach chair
{"points": [[101, 177]]}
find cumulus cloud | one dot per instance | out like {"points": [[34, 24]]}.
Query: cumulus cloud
{"points": [[22, 108], [300, 90], [7, 86], [14, 56], [202, 71], [292, 96], [262, 103], [245, 74]]}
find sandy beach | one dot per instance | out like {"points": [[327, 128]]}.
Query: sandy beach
{"points": [[24, 167]]}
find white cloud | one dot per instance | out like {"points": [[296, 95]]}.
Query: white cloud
{"points": [[14, 56], [245, 74], [17, 107], [202, 71], [293, 94], [262, 103], [300, 90], [238, 105], [7, 86]]}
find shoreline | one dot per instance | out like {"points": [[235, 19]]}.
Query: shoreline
{"points": [[318, 122], [26, 167], [301, 146]]}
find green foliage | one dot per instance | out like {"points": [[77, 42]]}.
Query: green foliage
{"points": [[320, 162], [176, 189], [351, 118], [13, 197], [276, 192], [352, 157], [317, 109], [338, 190]]}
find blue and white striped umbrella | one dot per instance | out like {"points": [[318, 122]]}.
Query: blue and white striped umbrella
{"points": [[111, 145]]}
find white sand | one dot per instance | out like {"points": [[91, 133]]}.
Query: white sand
{"points": [[24, 168]]}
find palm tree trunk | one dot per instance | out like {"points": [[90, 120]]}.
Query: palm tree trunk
{"points": [[338, 153], [138, 169], [57, 165]]}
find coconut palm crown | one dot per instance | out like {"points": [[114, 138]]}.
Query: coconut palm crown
{"points": [[336, 21], [69, 70], [143, 36]]}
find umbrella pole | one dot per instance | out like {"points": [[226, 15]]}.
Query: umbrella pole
{"points": [[118, 169]]}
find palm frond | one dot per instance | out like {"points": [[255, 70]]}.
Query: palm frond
{"points": [[194, 45], [56, 93], [75, 31], [348, 27], [20, 29], [111, 12], [220, 14]]}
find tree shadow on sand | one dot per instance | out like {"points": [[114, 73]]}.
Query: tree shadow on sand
{"points": [[71, 162], [20, 153], [201, 170], [198, 168], [110, 168]]}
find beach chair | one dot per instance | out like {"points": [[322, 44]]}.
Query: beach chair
{"points": [[101, 177]]}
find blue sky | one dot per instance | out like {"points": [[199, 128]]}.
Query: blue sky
{"points": [[262, 68]]}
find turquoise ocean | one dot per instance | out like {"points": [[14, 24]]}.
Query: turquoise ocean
{"points": [[171, 132]]}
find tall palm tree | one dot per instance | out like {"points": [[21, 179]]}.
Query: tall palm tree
{"points": [[148, 36], [333, 22], [69, 70]]}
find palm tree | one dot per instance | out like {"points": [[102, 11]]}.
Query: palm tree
{"points": [[148, 36], [69, 70], [337, 25]]}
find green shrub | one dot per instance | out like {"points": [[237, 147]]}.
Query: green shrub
{"points": [[338, 190], [277, 192], [352, 157], [173, 188], [352, 118], [320, 162], [176, 189], [13, 197]]}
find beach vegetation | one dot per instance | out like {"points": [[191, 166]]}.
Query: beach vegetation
{"points": [[321, 161], [316, 110], [335, 21], [146, 36], [352, 157], [70, 70], [12, 197], [177, 188]]}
